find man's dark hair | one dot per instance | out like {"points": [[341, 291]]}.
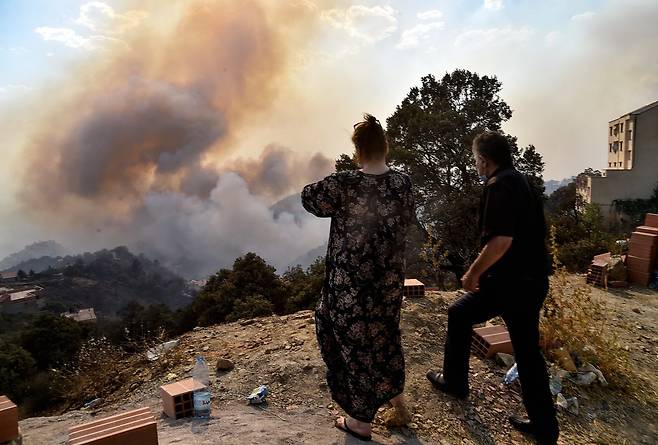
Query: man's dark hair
{"points": [[494, 147]]}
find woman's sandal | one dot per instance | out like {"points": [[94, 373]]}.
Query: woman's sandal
{"points": [[344, 427]]}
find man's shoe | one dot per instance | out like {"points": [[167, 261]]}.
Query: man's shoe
{"points": [[527, 427], [439, 383]]}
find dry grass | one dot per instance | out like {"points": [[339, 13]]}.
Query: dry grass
{"points": [[572, 319]]}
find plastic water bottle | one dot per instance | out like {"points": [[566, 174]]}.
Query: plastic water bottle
{"points": [[511, 375], [201, 397]]}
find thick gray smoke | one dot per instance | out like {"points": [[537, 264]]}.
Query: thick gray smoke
{"points": [[132, 148]]}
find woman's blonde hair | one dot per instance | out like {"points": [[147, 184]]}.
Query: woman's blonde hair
{"points": [[369, 139]]}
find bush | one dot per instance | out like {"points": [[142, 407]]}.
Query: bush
{"points": [[571, 318], [52, 340], [16, 367], [303, 288]]}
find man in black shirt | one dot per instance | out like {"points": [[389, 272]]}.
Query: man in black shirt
{"points": [[509, 279]]}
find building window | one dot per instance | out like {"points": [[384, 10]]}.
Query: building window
{"points": [[610, 131], [630, 134], [621, 145], [609, 164], [610, 148], [622, 127]]}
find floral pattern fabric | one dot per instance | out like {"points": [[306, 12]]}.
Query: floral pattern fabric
{"points": [[358, 315]]}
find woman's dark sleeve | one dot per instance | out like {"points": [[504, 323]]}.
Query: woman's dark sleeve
{"points": [[323, 198], [409, 203]]}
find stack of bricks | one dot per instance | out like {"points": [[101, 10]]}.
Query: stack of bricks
{"points": [[136, 427], [8, 420], [413, 289], [598, 269], [642, 249], [489, 340], [177, 398]]}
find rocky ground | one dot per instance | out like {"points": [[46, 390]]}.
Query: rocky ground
{"points": [[282, 353]]}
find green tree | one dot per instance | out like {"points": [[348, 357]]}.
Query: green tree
{"points": [[303, 287], [250, 280], [345, 163], [16, 367], [431, 134], [52, 340]]}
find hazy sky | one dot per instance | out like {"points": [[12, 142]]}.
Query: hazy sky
{"points": [[567, 68]]}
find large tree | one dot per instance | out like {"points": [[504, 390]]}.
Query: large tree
{"points": [[431, 134]]}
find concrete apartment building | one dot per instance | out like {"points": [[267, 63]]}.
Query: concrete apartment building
{"points": [[632, 170]]}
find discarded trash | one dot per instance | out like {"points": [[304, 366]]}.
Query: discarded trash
{"points": [[258, 395], [555, 382], [155, 352], [569, 405], [588, 368], [202, 403], [200, 371], [201, 397], [585, 378], [511, 375], [92, 403]]}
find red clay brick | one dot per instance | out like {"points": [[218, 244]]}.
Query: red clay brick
{"points": [[645, 239], [641, 278], [651, 219], [177, 398], [641, 250], [413, 288], [8, 420], [136, 427], [489, 340], [647, 229], [639, 264]]}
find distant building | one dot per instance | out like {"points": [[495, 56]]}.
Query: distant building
{"points": [[8, 276], [82, 315], [24, 300], [632, 170]]}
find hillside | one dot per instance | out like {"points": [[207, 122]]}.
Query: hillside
{"points": [[282, 352], [36, 250], [106, 280]]}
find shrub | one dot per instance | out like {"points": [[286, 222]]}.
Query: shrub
{"points": [[16, 366], [571, 318]]}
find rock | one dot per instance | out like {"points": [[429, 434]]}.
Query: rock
{"points": [[506, 360], [171, 376], [637, 311], [205, 348], [224, 364]]}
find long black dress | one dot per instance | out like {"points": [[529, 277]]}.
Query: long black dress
{"points": [[358, 315]]}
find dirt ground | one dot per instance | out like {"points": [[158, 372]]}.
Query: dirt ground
{"points": [[282, 353]]}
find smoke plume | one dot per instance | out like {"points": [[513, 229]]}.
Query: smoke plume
{"points": [[132, 148]]}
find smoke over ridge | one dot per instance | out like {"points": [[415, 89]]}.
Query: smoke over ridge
{"points": [[132, 148]]}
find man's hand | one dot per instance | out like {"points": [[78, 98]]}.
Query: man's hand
{"points": [[471, 282]]}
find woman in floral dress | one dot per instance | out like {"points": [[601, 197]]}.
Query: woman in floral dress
{"points": [[358, 315]]}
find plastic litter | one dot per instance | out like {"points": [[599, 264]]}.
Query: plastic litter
{"points": [[202, 398], [588, 374], [92, 403], [555, 382], [258, 395], [570, 405], [511, 375], [155, 352]]}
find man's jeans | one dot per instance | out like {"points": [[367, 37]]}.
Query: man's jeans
{"points": [[519, 303]]}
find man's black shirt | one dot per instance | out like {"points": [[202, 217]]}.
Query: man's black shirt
{"points": [[510, 207]]}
